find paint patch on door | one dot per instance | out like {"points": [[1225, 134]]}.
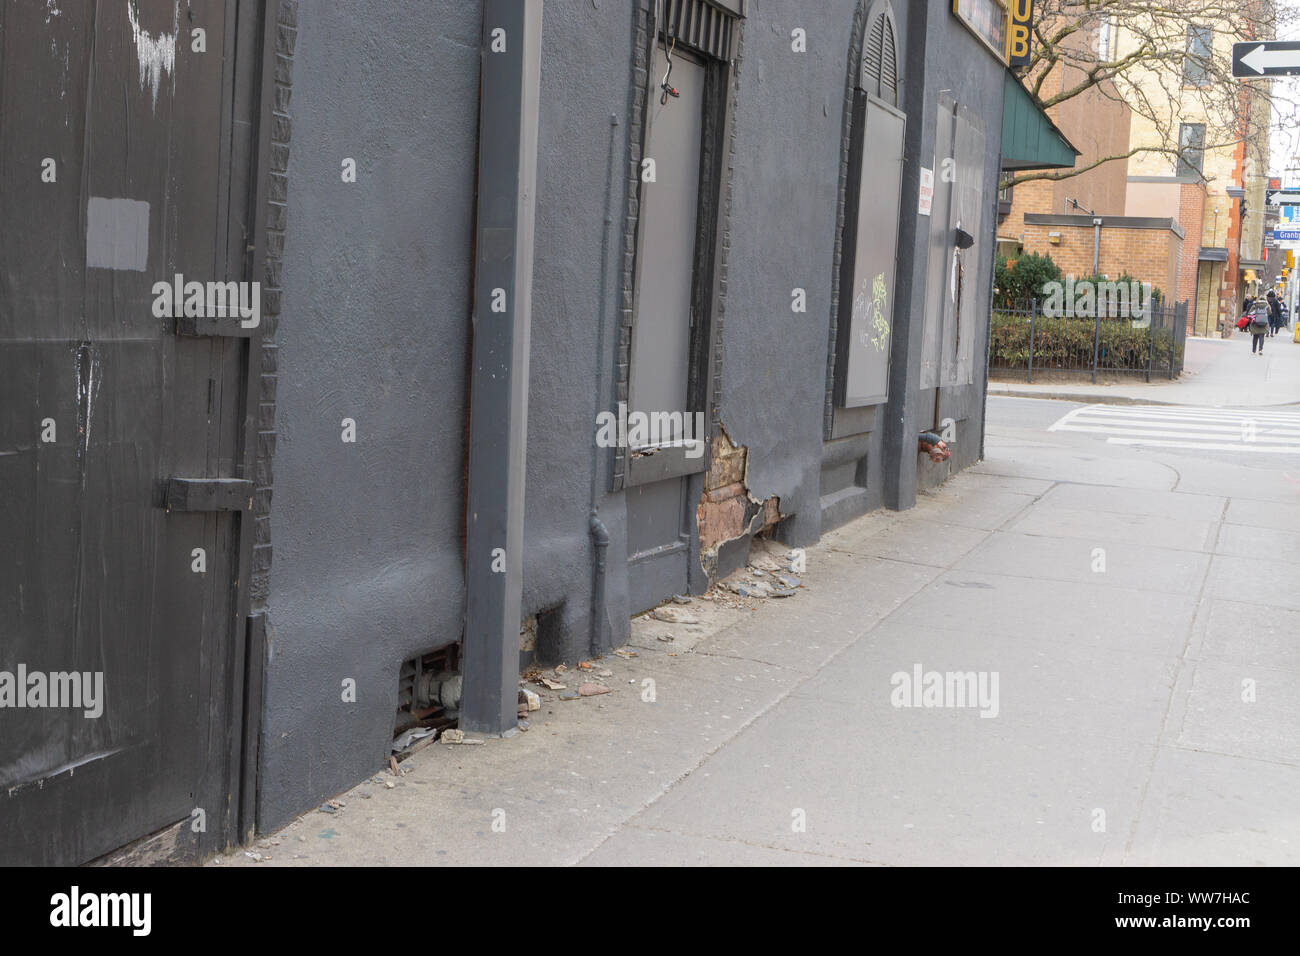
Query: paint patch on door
{"points": [[117, 234], [156, 54]]}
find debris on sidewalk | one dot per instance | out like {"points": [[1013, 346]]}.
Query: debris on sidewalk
{"points": [[670, 615], [455, 736], [405, 743], [592, 690], [626, 654], [531, 699]]}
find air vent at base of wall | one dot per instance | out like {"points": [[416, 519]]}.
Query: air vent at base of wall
{"points": [[443, 660]]}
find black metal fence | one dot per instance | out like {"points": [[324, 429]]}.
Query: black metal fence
{"points": [[1029, 340]]}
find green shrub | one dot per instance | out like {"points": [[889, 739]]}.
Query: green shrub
{"points": [[1024, 280], [1068, 343]]}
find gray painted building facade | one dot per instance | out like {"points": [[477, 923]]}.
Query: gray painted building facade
{"points": [[369, 536], [489, 234]]}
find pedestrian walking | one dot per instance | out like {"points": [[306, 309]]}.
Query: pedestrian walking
{"points": [[1274, 312], [1259, 325]]}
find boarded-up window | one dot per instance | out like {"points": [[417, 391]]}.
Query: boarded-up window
{"points": [[864, 327], [947, 353], [867, 289]]}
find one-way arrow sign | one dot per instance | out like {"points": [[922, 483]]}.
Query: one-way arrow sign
{"points": [[1268, 58], [1282, 197]]}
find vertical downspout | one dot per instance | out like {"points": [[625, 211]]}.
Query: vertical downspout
{"points": [[595, 527]]}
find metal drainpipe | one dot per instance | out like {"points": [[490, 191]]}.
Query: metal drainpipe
{"points": [[600, 541], [595, 527]]}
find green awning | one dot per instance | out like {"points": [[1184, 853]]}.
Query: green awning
{"points": [[1030, 140]]}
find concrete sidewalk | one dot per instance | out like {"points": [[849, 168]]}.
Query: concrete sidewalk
{"points": [[1144, 630], [1215, 372]]}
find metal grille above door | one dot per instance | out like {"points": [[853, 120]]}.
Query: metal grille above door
{"points": [[879, 76], [699, 25]]}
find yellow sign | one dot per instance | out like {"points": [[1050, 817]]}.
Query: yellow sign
{"points": [[1019, 31]]}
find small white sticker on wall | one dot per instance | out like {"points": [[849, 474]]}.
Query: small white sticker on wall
{"points": [[927, 191]]}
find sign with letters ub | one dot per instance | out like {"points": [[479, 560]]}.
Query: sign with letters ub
{"points": [[1019, 31]]}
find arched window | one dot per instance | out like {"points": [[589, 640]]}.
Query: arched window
{"points": [[879, 74]]}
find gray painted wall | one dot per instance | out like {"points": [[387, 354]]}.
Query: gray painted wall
{"points": [[368, 562], [376, 316], [789, 119]]}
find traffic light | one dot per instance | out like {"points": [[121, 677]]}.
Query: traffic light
{"points": [[1290, 258]]}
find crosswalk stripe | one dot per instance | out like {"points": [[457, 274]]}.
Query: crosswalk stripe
{"points": [[1234, 428], [1209, 436], [1178, 426], [1212, 446], [1289, 418]]}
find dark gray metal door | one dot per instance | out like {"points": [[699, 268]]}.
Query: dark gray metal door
{"points": [[125, 163], [658, 520]]}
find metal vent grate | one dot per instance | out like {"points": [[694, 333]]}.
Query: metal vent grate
{"points": [[698, 24], [880, 60]]}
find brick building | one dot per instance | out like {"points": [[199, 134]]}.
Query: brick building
{"points": [[1174, 219]]}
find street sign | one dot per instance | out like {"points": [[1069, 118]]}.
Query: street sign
{"points": [[1269, 58], [1286, 235], [1281, 197]]}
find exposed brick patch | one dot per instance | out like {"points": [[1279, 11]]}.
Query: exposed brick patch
{"points": [[726, 509]]}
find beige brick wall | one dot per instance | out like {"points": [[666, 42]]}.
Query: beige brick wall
{"points": [[1149, 255]]}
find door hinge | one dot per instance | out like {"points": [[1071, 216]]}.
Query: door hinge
{"points": [[209, 494]]}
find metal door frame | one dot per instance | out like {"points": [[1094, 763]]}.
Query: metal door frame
{"points": [[711, 223]]}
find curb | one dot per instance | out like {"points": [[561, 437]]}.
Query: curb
{"points": [[1107, 399], [1076, 397]]}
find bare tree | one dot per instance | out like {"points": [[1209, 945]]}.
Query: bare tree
{"points": [[1169, 61]]}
